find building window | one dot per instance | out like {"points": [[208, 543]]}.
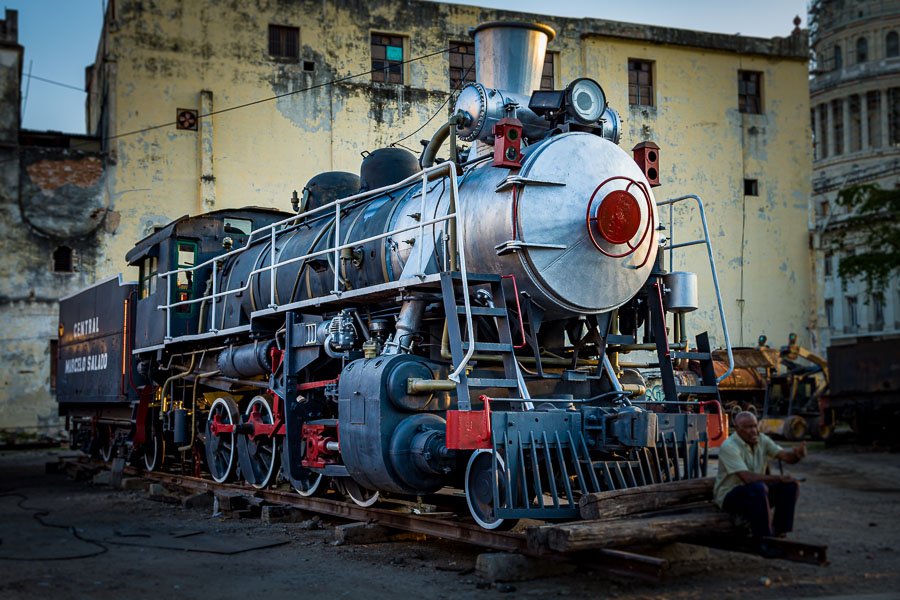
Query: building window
{"points": [[877, 312], [855, 123], [62, 260], [548, 77], [873, 116], [829, 264], [838, 60], [148, 271], [751, 187], [462, 64], [829, 313], [640, 82], [893, 100], [823, 208], [750, 92], [812, 128], [862, 50], [387, 58], [892, 44], [837, 115], [309, 66], [284, 42], [823, 130], [852, 314]]}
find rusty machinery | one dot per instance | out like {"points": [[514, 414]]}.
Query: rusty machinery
{"points": [[783, 387]]}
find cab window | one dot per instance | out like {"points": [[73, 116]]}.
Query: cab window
{"points": [[148, 270], [238, 226], [185, 256]]}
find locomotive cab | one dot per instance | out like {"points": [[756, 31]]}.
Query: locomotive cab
{"points": [[184, 244]]}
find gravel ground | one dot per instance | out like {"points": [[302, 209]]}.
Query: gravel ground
{"points": [[65, 539]]}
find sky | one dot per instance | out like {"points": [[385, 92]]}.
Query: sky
{"points": [[60, 38]]}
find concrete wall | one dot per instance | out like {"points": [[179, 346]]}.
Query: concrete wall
{"points": [[708, 148], [51, 197]]}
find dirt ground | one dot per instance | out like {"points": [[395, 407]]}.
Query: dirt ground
{"points": [[65, 539]]}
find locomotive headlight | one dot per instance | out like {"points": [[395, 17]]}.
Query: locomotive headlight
{"points": [[585, 100]]}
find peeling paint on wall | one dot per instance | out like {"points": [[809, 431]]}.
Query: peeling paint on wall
{"points": [[49, 175]]}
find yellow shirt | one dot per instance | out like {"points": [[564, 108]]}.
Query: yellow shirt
{"points": [[736, 455]]}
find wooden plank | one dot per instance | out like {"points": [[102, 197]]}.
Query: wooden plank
{"points": [[630, 501], [587, 535]]}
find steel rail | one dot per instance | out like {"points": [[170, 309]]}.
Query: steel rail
{"points": [[608, 560], [616, 562]]}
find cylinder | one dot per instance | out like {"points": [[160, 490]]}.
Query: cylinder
{"points": [[180, 433], [681, 295], [248, 360]]}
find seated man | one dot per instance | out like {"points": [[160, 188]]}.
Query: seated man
{"points": [[743, 486]]}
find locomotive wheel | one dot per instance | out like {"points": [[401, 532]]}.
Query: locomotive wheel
{"points": [[220, 448], [154, 449], [258, 456], [309, 485], [360, 495], [106, 442], [480, 491]]}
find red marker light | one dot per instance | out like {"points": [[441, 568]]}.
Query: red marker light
{"points": [[618, 217]]}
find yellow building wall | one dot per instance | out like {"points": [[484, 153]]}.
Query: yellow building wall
{"points": [[708, 148], [167, 52], [155, 58]]}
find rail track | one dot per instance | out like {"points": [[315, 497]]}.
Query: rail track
{"points": [[609, 561]]}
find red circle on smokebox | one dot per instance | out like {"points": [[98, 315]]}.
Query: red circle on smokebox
{"points": [[618, 217]]}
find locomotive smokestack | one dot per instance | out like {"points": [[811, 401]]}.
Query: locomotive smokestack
{"points": [[509, 55]]}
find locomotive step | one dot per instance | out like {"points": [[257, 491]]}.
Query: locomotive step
{"points": [[487, 383], [489, 347], [696, 389], [483, 310], [694, 355]]}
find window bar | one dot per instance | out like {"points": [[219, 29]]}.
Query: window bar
{"points": [[272, 272]]}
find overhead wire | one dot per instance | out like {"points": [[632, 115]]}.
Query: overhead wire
{"points": [[59, 83], [255, 102], [462, 80]]}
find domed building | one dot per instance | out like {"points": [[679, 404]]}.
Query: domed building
{"points": [[855, 119]]}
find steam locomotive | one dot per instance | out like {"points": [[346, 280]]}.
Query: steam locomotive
{"points": [[423, 328]]}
